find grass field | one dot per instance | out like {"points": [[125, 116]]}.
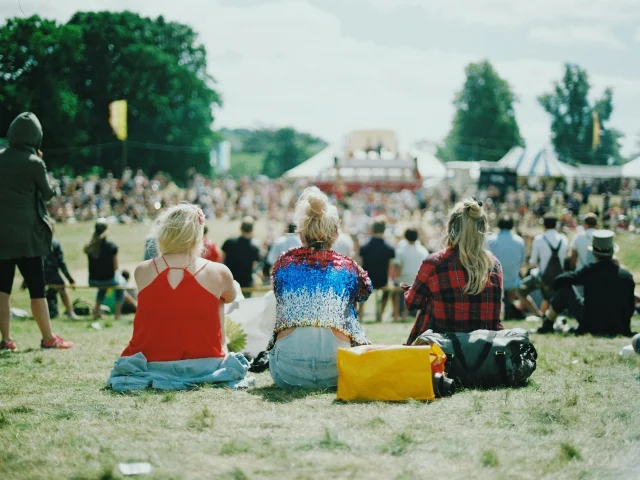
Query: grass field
{"points": [[578, 417]]}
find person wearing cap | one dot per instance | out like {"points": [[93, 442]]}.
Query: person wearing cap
{"points": [[579, 252], [283, 244], [26, 228], [608, 302], [102, 256]]}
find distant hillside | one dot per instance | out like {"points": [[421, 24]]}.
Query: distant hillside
{"points": [[283, 148]]}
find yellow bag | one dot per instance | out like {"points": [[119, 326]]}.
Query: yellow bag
{"points": [[388, 372]]}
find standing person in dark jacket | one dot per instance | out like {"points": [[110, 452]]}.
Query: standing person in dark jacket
{"points": [[54, 264], [608, 302], [26, 233]]}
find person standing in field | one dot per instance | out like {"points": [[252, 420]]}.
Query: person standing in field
{"points": [[54, 264], [241, 255], [283, 244], [26, 228], [409, 258], [377, 260]]}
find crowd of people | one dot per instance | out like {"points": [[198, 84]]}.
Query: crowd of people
{"points": [[332, 256]]}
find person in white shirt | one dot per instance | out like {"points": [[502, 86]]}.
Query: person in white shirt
{"points": [[344, 245], [409, 257], [283, 244], [580, 254], [541, 254], [543, 242]]}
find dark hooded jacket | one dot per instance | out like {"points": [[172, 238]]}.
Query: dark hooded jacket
{"points": [[24, 187]]}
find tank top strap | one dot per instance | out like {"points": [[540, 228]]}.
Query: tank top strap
{"points": [[165, 261], [156, 266], [201, 268]]}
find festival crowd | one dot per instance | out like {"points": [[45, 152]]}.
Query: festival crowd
{"points": [[329, 259]]}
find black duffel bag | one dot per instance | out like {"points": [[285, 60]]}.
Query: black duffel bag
{"points": [[485, 358]]}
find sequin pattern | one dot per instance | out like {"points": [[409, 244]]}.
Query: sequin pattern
{"points": [[319, 288]]}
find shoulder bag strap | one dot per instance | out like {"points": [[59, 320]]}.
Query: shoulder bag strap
{"points": [[457, 349]]}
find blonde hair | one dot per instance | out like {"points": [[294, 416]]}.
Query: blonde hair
{"points": [[466, 229], [180, 229], [317, 220]]}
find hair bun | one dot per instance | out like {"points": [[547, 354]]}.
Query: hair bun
{"points": [[316, 206], [473, 209]]}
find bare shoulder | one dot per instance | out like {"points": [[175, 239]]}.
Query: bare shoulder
{"points": [[144, 274]]}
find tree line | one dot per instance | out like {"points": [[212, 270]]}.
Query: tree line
{"points": [[68, 74], [485, 127]]}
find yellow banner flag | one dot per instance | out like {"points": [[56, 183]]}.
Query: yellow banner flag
{"points": [[596, 130], [118, 118]]}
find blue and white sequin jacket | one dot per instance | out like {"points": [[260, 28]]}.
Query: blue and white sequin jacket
{"points": [[319, 288]]}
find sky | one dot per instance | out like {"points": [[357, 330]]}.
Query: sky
{"points": [[331, 66]]}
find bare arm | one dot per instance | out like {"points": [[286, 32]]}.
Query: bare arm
{"points": [[229, 292], [115, 262]]}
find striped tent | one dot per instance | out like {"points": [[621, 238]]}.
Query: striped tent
{"points": [[543, 163]]}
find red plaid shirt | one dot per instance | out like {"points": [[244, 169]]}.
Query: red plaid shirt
{"points": [[438, 293]]}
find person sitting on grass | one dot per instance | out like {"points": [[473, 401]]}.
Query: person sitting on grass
{"points": [[180, 295], [317, 291], [130, 294], [178, 336], [103, 265], [458, 289], [609, 301]]}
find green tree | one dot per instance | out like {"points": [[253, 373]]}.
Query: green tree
{"points": [[69, 74], [36, 69], [572, 120], [484, 126], [161, 70], [283, 155]]}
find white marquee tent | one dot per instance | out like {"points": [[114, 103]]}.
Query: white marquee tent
{"points": [[312, 167], [543, 163], [631, 169], [428, 165]]}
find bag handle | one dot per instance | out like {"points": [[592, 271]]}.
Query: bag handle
{"points": [[457, 349]]}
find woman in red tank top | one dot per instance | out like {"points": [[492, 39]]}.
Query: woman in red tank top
{"points": [[181, 296]]}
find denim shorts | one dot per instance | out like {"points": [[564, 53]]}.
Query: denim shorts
{"points": [[306, 358]]}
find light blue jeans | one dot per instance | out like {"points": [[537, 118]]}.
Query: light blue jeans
{"points": [[306, 359]]}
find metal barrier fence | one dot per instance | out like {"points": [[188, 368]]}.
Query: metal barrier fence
{"points": [[250, 290]]}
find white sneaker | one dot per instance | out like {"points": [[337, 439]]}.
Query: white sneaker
{"points": [[72, 316], [533, 318]]}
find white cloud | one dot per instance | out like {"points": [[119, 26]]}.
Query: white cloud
{"points": [[510, 13], [578, 35], [289, 63], [637, 36]]}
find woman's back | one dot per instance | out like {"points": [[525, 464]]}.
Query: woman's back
{"points": [[178, 318], [319, 288]]}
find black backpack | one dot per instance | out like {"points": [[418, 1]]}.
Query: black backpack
{"points": [[485, 358], [554, 267]]}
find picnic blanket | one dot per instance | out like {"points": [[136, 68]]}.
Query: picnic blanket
{"points": [[135, 373]]}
